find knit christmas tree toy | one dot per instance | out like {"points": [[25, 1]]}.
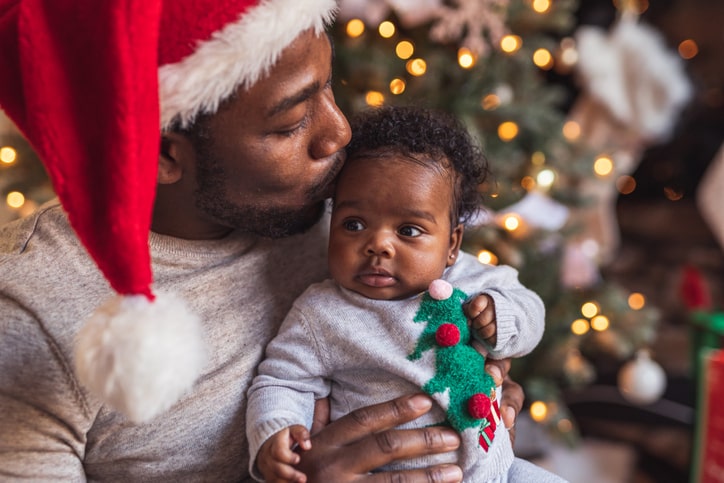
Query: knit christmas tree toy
{"points": [[459, 368]]}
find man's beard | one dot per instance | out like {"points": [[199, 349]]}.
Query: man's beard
{"points": [[265, 221]]}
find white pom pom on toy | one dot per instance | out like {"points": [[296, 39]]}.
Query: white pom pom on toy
{"points": [[140, 356], [440, 289]]}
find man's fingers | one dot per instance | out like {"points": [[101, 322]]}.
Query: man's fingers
{"points": [[513, 397], [435, 474], [321, 415], [349, 448], [382, 448], [283, 473], [509, 416], [376, 418], [498, 369], [512, 403]]}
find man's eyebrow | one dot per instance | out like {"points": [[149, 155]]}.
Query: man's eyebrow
{"points": [[293, 100], [303, 95]]}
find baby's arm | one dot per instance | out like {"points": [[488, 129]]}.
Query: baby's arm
{"points": [[510, 317], [276, 458]]}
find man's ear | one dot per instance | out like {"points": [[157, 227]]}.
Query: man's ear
{"points": [[456, 240], [174, 148]]}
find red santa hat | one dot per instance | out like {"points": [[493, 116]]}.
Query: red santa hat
{"points": [[91, 84]]}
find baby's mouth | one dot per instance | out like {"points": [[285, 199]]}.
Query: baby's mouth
{"points": [[377, 278]]}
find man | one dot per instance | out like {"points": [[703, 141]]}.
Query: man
{"points": [[247, 154]]}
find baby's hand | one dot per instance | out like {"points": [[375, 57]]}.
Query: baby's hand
{"points": [[481, 312], [276, 458]]}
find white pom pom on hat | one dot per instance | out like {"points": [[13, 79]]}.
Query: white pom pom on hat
{"points": [[124, 349], [121, 71]]}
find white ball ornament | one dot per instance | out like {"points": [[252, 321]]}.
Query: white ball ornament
{"points": [[642, 380]]}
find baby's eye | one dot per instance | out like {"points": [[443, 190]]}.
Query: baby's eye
{"points": [[410, 231], [353, 225]]}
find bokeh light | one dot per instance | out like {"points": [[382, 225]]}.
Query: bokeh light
{"points": [[355, 27], [541, 6], [416, 67], [543, 59], [511, 44], [538, 411], [374, 98], [603, 166], [580, 326], [688, 49], [487, 257], [589, 309], [600, 323], [466, 59], [404, 49], [8, 155], [386, 29], [625, 184], [15, 199], [636, 301], [397, 86], [507, 131], [490, 102], [571, 130]]}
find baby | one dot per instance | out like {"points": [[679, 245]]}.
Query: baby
{"points": [[393, 318]]}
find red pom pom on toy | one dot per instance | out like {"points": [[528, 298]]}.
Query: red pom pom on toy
{"points": [[479, 406], [447, 335]]}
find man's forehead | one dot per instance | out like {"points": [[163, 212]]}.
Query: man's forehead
{"points": [[302, 70]]}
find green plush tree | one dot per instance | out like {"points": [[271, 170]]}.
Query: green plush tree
{"points": [[459, 368]]}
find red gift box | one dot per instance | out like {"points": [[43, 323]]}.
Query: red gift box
{"points": [[709, 444]]}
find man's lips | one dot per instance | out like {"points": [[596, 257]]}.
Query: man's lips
{"points": [[376, 278]]}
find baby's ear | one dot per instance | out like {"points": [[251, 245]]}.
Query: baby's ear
{"points": [[456, 240]]}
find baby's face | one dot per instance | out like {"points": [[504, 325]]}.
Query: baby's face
{"points": [[390, 232]]}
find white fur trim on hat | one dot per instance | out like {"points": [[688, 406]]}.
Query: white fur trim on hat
{"points": [[239, 54]]}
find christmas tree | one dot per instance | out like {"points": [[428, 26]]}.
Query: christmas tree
{"points": [[549, 204], [24, 183]]}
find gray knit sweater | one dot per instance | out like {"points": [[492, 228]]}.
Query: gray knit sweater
{"points": [[337, 343], [51, 429]]}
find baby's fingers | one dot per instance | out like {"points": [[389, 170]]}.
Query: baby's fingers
{"points": [[484, 328], [300, 435], [281, 451], [477, 305]]}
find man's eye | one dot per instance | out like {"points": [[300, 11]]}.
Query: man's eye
{"points": [[410, 231], [353, 225], [293, 129]]}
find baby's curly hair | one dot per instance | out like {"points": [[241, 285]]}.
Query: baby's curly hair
{"points": [[439, 136]]}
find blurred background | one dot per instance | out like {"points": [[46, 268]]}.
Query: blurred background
{"points": [[603, 122]]}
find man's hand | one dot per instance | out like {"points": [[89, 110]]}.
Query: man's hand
{"points": [[513, 395], [364, 440], [481, 313]]}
